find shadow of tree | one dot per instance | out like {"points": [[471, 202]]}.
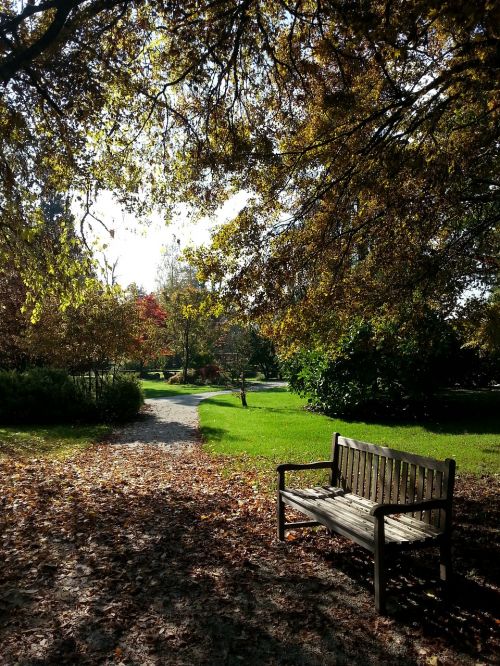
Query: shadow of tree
{"points": [[178, 572]]}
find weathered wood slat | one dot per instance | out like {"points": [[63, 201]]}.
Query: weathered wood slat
{"points": [[413, 523], [411, 485], [381, 493], [347, 504], [420, 488], [346, 513], [345, 457], [355, 515], [362, 479], [316, 514], [429, 483], [403, 490], [439, 515], [355, 472], [340, 452], [388, 480], [393, 454], [398, 532], [352, 519], [368, 473], [365, 506], [374, 480], [331, 509], [396, 481], [334, 474], [319, 492], [350, 465]]}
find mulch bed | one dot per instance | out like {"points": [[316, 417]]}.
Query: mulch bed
{"points": [[126, 555]]}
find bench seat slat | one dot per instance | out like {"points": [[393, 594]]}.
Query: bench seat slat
{"points": [[395, 532], [418, 527], [337, 510], [421, 526], [328, 522]]}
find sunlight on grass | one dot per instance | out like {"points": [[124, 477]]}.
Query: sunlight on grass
{"points": [[276, 427], [57, 441], [160, 389]]}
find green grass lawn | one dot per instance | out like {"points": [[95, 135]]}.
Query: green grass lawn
{"points": [[56, 441], [275, 428], [160, 389]]}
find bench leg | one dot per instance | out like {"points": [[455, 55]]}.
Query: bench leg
{"points": [[281, 517], [380, 576], [445, 561], [379, 584]]}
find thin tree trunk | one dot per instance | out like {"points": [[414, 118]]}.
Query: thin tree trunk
{"points": [[243, 392], [186, 353]]}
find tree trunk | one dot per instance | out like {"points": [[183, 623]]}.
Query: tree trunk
{"points": [[186, 353], [243, 393]]}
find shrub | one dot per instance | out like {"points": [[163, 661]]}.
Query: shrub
{"points": [[40, 395], [120, 400], [150, 374], [209, 374], [45, 395], [377, 371]]}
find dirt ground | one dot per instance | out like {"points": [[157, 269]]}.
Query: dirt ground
{"points": [[134, 555]]}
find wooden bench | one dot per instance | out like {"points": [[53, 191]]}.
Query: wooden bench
{"points": [[382, 499]]}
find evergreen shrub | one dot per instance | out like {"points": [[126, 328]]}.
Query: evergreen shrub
{"points": [[46, 395], [376, 371]]}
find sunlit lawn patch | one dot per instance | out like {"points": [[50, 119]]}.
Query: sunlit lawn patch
{"points": [[56, 441], [276, 428], [160, 389]]}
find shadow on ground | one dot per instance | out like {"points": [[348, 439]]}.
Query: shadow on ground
{"points": [[124, 559]]}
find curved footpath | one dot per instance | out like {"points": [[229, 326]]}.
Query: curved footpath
{"points": [[173, 422]]}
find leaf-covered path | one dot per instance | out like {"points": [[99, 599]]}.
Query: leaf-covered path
{"points": [[134, 555]]}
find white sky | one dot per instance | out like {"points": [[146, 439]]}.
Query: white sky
{"points": [[138, 247]]}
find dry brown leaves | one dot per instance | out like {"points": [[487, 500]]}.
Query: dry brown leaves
{"points": [[127, 555]]}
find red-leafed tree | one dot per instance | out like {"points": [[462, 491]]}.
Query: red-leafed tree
{"points": [[153, 340]]}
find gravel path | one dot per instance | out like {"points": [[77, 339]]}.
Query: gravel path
{"points": [[173, 422]]}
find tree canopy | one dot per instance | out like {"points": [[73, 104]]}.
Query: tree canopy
{"points": [[366, 134]]}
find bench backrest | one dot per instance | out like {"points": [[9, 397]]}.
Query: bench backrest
{"points": [[387, 476]]}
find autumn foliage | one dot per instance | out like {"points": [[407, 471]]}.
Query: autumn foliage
{"points": [[152, 339]]}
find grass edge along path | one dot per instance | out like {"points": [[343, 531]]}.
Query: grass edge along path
{"points": [[49, 441], [275, 428]]}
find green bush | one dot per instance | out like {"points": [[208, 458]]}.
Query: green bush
{"points": [[45, 395], [40, 395], [382, 370], [120, 399]]}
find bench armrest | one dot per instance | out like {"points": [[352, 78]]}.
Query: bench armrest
{"points": [[287, 467], [424, 505]]}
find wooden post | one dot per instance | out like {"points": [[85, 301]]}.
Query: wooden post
{"points": [[281, 506], [445, 548], [445, 560], [380, 576], [334, 474]]}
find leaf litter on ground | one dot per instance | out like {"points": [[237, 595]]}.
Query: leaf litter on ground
{"points": [[135, 555]]}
